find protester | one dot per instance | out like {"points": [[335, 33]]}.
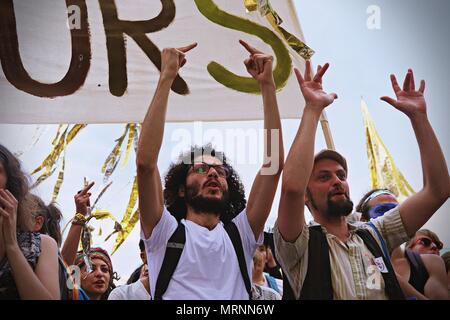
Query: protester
{"points": [[376, 203], [202, 219], [138, 289], [262, 278], [344, 257], [96, 270], [47, 220], [420, 265], [28, 260], [419, 269]]}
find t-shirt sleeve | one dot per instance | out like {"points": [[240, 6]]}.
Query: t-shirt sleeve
{"points": [[249, 243], [161, 233], [290, 253]]}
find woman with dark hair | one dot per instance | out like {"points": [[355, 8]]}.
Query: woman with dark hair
{"points": [[28, 260], [98, 283], [96, 280]]}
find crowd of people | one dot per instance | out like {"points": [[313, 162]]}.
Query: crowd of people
{"points": [[202, 239]]}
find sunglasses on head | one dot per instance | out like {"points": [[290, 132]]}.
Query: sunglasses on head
{"points": [[203, 168]]}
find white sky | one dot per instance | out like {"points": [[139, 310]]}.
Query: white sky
{"points": [[412, 34]]}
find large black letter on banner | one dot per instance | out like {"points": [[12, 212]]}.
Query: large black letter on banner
{"points": [[12, 63], [116, 29]]}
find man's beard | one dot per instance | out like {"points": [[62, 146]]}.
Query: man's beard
{"points": [[334, 209], [206, 205], [339, 209]]}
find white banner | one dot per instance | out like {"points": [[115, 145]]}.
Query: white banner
{"points": [[96, 61]]}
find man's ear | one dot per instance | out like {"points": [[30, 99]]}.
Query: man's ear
{"points": [[181, 191]]}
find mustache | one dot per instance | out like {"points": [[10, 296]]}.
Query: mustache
{"points": [[338, 191], [213, 181]]}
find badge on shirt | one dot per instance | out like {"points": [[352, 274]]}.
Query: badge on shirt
{"points": [[380, 265]]}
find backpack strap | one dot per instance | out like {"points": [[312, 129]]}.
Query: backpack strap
{"points": [[383, 243], [419, 274], [317, 284], [235, 237], [174, 249], [392, 287]]}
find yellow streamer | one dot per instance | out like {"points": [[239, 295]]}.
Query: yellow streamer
{"points": [[128, 221], [112, 160], [131, 134], [266, 10], [123, 234], [50, 161]]}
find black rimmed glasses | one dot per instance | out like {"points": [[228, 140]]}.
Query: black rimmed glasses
{"points": [[203, 168]]}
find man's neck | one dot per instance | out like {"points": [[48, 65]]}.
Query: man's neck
{"points": [[206, 220], [335, 226]]}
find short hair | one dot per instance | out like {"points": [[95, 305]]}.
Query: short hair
{"points": [[430, 234], [446, 258], [332, 155]]}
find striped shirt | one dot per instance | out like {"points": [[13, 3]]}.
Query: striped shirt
{"points": [[354, 275]]}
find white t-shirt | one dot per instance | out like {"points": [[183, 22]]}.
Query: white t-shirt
{"points": [[208, 268], [134, 291]]}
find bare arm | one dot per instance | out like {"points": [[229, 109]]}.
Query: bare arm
{"points": [[42, 283], [72, 242], [299, 162], [259, 65], [436, 286], [409, 290], [151, 201], [418, 208]]}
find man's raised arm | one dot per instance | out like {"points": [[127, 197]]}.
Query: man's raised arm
{"points": [[299, 162], [259, 66], [151, 201], [418, 208]]}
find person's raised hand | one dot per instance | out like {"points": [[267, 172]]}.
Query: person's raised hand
{"points": [[173, 59], [409, 100], [315, 97]]}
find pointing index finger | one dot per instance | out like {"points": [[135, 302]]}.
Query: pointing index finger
{"points": [[187, 48], [248, 47]]}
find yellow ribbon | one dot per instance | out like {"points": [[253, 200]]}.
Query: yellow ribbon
{"points": [[129, 220], [266, 10], [112, 160], [131, 135]]}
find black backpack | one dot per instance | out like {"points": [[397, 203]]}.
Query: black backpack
{"points": [[175, 247]]}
